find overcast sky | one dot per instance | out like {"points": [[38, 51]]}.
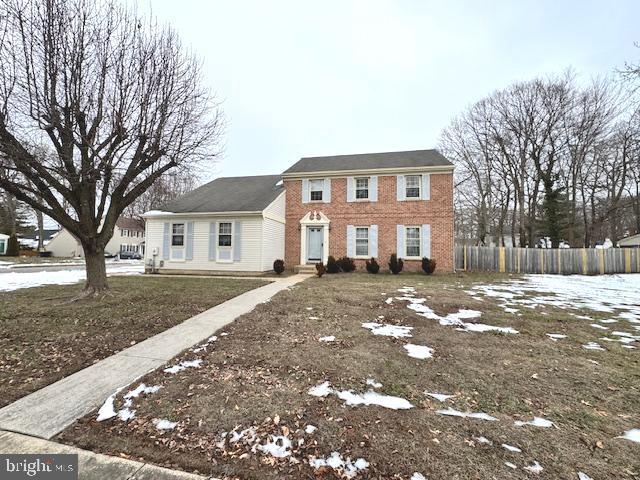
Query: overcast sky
{"points": [[301, 78]]}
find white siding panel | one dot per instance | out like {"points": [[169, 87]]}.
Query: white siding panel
{"points": [[273, 243], [277, 207]]}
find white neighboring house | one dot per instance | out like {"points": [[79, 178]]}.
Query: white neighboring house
{"points": [[4, 241], [234, 224], [128, 235]]}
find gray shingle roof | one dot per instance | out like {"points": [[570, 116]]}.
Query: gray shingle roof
{"points": [[231, 194], [369, 161]]}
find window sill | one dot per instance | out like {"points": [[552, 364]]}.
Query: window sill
{"points": [[411, 258]]}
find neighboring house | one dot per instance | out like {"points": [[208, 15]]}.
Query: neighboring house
{"points": [[4, 242], [31, 240], [363, 206], [230, 224], [371, 205], [630, 242], [128, 235]]}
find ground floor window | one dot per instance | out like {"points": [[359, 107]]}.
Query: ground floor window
{"points": [[412, 241], [177, 236], [224, 234], [362, 241]]}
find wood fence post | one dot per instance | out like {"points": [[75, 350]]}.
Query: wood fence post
{"points": [[464, 257], [601, 260], [627, 260], [502, 262], [542, 260], [560, 261], [585, 268]]}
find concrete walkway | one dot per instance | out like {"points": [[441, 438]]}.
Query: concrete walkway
{"points": [[92, 466], [50, 410]]}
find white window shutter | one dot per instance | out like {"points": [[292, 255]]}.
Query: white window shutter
{"points": [[326, 194], [188, 254], [373, 189], [351, 241], [426, 186], [213, 240], [351, 189], [400, 241], [373, 241], [237, 241], [425, 244], [400, 191], [306, 196], [166, 245]]}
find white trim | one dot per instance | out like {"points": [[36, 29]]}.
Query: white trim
{"points": [[355, 239], [355, 189], [224, 249], [314, 219], [372, 171], [204, 214], [176, 248], [419, 197], [404, 247]]}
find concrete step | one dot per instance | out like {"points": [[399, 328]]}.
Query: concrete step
{"points": [[305, 269]]}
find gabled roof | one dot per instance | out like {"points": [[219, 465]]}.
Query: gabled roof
{"points": [[370, 161], [48, 234], [130, 223], [230, 194]]}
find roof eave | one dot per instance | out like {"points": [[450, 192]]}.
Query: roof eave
{"points": [[245, 213], [370, 171]]}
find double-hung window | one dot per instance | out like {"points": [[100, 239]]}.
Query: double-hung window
{"points": [[177, 235], [362, 188], [124, 233], [316, 187], [362, 241], [412, 186], [224, 234], [412, 241]]}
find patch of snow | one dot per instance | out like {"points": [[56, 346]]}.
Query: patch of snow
{"points": [[371, 382], [536, 422], [633, 435], [511, 448], [321, 390], [125, 414], [389, 301], [164, 424], [374, 398], [310, 429], [418, 351], [583, 476], [534, 468], [387, 330], [418, 476], [203, 347], [510, 465], [330, 338], [309, 308], [556, 336], [441, 397], [314, 318], [484, 440], [344, 467], [592, 346], [476, 415], [599, 327], [107, 410], [183, 366], [277, 446], [481, 327]]}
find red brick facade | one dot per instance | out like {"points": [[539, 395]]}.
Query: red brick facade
{"points": [[387, 213]]}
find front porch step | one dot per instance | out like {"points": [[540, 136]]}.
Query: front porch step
{"points": [[305, 269]]}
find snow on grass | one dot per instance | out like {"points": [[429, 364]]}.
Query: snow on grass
{"points": [[475, 415], [599, 327], [309, 429], [511, 448], [373, 398], [441, 397], [16, 280], [418, 351], [330, 338], [592, 346], [511, 465], [534, 468], [418, 476], [183, 366], [556, 336], [164, 424], [633, 435], [203, 347], [536, 422], [583, 476], [484, 440], [387, 330], [372, 383], [107, 410], [344, 467], [277, 446], [321, 390], [314, 318]]}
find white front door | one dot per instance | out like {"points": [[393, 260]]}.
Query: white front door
{"points": [[314, 244]]}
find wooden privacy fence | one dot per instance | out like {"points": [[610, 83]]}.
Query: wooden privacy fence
{"points": [[562, 261]]}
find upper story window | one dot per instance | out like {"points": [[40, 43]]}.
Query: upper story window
{"points": [[316, 188], [224, 234], [362, 241], [124, 233], [412, 186], [362, 188], [412, 241], [177, 235]]}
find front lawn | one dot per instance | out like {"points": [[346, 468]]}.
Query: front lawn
{"points": [[43, 338], [300, 388]]}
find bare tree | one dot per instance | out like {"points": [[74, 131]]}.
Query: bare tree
{"points": [[116, 100]]}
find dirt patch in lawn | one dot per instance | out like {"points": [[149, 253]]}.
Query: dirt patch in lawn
{"points": [[43, 338], [246, 412]]}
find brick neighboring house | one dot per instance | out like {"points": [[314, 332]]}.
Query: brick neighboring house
{"points": [[371, 205], [363, 206]]}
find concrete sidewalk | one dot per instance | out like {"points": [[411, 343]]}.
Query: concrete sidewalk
{"points": [[93, 466], [50, 410]]}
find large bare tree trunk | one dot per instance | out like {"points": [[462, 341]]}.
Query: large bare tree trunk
{"points": [[96, 283], [40, 219]]}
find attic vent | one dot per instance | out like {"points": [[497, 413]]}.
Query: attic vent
{"points": [[279, 183]]}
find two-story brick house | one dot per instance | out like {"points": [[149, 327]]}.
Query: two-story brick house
{"points": [[370, 205], [362, 206]]}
